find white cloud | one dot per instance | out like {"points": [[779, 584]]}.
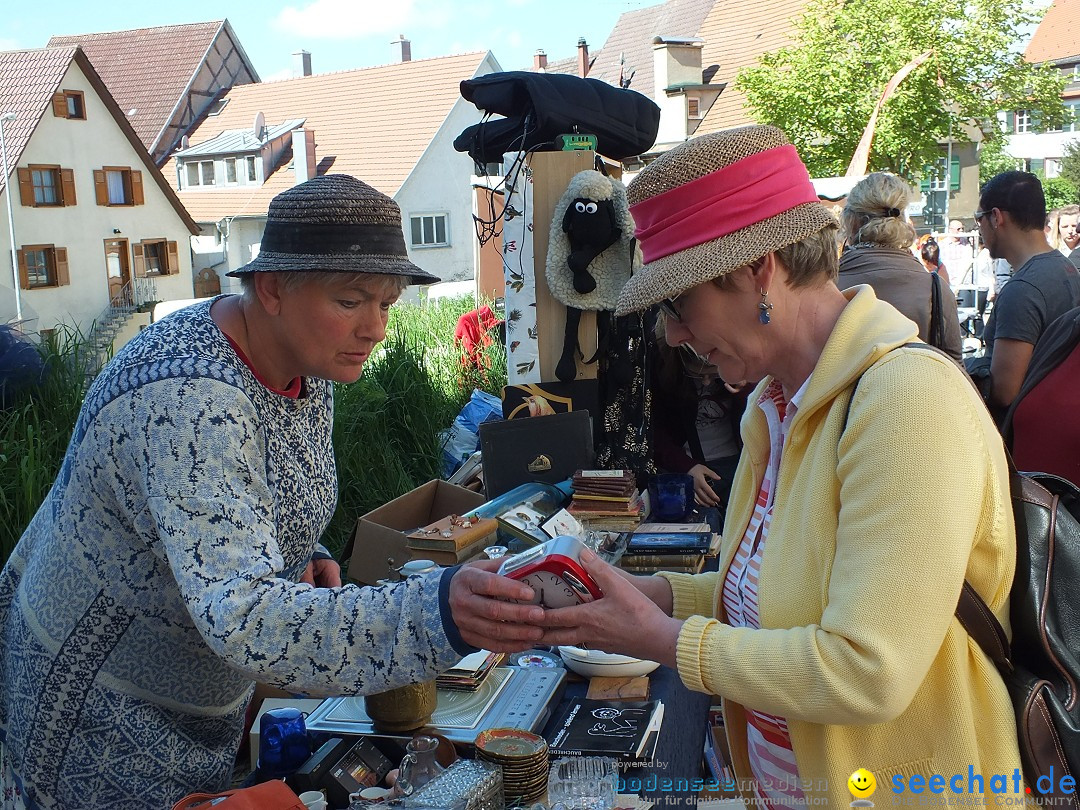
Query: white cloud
{"points": [[339, 19]]}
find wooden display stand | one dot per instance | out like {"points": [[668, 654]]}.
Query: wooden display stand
{"points": [[552, 172]]}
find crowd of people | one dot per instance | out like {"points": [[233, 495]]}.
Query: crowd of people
{"points": [[176, 560]]}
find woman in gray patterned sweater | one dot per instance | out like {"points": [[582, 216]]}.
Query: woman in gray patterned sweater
{"points": [[175, 560]]}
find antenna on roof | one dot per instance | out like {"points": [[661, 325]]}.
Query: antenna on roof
{"points": [[259, 127]]}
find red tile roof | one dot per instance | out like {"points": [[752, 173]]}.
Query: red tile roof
{"points": [[28, 80], [1058, 36], [373, 123], [147, 69], [735, 35]]}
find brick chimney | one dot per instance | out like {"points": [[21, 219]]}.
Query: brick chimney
{"points": [[539, 60], [582, 57], [301, 64], [402, 49]]}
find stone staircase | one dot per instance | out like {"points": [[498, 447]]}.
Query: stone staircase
{"points": [[114, 318]]}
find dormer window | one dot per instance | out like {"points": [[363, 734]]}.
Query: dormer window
{"points": [[200, 173]]}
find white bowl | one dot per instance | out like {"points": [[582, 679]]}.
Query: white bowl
{"points": [[591, 663]]}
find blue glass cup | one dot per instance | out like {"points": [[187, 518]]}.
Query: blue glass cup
{"points": [[283, 741], [672, 497]]}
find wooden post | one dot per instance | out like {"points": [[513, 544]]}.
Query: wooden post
{"points": [[551, 172]]}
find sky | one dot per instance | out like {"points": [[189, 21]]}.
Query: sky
{"points": [[342, 34]]}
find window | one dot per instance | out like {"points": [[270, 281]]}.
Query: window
{"points": [[118, 185], [429, 230], [693, 108], [200, 173], [155, 257], [230, 170], [251, 176], [217, 106], [1023, 121], [1052, 168], [1076, 73], [46, 186], [1072, 123], [69, 104], [238, 171], [42, 266]]}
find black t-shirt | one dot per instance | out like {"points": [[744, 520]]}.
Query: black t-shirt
{"points": [[1045, 287]]}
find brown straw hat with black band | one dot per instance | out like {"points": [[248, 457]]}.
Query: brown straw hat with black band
{"points": [[334, 224], [716, 203]]}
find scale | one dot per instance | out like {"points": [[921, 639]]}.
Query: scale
{"points": [[510, 697]]}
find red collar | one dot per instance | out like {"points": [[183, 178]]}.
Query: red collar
{"points": [[292, 390]]}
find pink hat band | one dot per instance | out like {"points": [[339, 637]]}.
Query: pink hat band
{"points": [[743, 193]]}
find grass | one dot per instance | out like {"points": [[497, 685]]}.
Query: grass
{"points": [[386, 426], [35, 427]]}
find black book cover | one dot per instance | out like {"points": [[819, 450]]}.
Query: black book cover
{"points": [[619, 729]]}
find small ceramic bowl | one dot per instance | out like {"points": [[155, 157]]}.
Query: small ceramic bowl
{"points": [[591, 663]]}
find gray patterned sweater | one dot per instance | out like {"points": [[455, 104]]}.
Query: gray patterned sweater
{"points": [[157, 581]]}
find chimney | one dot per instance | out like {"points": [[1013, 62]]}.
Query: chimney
{"points": [[303, 149], [539, 60], [402, 49], [301, 65], [582, 57]]}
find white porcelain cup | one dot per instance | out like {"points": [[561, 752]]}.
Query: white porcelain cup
{"points": [[313, 799], [375, 794]]}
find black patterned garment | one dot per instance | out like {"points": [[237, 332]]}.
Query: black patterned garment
{"points": [[157, 582]]}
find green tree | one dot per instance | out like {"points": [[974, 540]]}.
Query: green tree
{"points": [[1059, 192], [822, 89], [993, 159], [1070, 164]]}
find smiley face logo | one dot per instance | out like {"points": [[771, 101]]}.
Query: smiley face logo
{"points": [[862, 784]]}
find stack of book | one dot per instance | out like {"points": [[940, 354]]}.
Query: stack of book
{"points": [[625, 730], [469, 674], [452, 539], [676, 547], [606, 500]]}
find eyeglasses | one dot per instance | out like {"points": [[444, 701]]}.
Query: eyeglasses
{"points": [[667, 306], [978, 215]]}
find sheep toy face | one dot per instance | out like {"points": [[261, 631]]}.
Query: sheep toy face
{"points": [[592, 243]]}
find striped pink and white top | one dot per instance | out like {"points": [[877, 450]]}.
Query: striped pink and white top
{"points": [[772, 760]]}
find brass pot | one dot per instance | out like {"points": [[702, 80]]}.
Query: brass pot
{"points": [[402, 709]]}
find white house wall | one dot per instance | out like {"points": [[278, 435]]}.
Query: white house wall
{"points": [[441, 183], [83, 228]]}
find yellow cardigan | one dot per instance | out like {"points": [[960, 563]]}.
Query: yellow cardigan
{"points": [[872, 535]]}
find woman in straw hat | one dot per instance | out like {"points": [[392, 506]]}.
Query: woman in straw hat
{"points": [[854, 518], [878, 236], [172, 564]]}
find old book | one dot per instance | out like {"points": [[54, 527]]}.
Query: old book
{"points": [[452, 557], [619, 729], [669, 543], [652, 560], [450, 533]]}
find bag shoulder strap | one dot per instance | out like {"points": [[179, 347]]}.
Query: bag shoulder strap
{"points": [[937, 316], [972, 612]]}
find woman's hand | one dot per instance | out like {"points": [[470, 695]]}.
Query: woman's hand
{"points": [[625, 620], [322, 573], [482, 605], [703, 492]]}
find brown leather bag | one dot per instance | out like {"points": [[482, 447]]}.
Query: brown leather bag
{"points": [[1042, 667], [272, 795]]}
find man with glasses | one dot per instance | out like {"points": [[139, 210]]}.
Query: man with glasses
{"points": [[1011, 220]]}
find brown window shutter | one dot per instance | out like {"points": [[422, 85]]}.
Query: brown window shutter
{"points": [[173, 258], [138, 261], [62, 277], [59, 105], [24, 274], [67, 183], [26, 187], [101, 191], [136, 188]]}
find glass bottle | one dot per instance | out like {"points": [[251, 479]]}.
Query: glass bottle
{"points": [[419, 766]]}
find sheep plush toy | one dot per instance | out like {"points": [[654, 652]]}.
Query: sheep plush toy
{"points": [[591, 253]]}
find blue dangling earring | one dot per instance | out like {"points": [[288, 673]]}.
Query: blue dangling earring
{"points": [[763, 307]]}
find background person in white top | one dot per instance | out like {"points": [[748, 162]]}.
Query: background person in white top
{"points": [[956, 253]]}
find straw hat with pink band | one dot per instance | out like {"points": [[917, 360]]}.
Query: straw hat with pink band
{"points": [[714, 204]]}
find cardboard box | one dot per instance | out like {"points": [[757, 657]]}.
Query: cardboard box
{"points": [[378, 542], [306, 705]]}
